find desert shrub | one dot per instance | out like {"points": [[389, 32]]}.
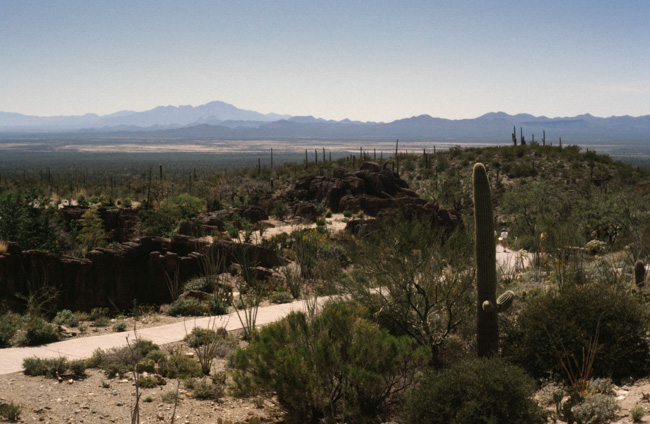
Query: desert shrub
{"points": [[66, 317], [200, 336], [279, 210], [96, 359], [198, 283], [121, 360], [33, 366], [209, 344], [101, 321], [637, 413], [169, 396], [38, 332], [147, 365], [98, 313], [150, 381], [119, 326], [347, 214], [475, 391], [9, 325], [143, 347], [180, 366], [339, 362], [10, 411], [596, 408], [48, 367], [218, 304], [281, 297], [596, 247], [163, 222], [204, 389], [77, 367], [156, 355], [186, 307], [426, 278], [31, 226], [562, 323]]}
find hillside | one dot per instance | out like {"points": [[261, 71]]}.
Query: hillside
{"points": [[192, 244]]}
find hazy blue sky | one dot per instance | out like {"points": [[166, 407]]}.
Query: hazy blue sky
{"points": [[363, 60]]}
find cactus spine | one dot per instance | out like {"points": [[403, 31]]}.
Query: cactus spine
{"points": [[487, 330], [639, 273]]}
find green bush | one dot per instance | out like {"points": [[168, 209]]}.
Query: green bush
{"points": [[477, 391], [169, 396], [121, 360], [143, 347], [48, 367], [347, 214], [180, 366], [157, 355], [187, 307], [200, 336], [567, 319], [337, 363], [77, 367], [596, 408], [38, 332], [150, 381], [204, 389], [147, 365], [102, 321], [66, 317], [10, 411], [9, 325], [97, 313], [119, 326], [218, 305], [637, 413], [281, 297]]}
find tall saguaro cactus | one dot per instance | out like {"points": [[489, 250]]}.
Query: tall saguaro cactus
{"points": [[487, 329]]}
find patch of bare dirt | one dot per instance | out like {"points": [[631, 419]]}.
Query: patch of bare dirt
{"points": [[97, 399]]}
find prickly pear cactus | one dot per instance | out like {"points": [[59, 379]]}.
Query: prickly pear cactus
{"points": [[486, 274]]}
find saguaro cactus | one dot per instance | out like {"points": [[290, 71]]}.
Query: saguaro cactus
{"points": [[639, 273], [487, 330]]}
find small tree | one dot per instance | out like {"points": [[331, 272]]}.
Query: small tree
{"points": [[92, 232], [415, 280]]}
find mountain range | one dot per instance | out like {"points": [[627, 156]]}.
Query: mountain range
{"points": [[219, 120]]}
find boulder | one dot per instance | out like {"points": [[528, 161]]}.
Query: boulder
{"points": [[305, 210]]}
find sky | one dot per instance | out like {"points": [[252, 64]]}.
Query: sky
{"points": [[362, 60]]}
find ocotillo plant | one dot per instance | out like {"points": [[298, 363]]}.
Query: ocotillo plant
{"points": [[487, 330]]}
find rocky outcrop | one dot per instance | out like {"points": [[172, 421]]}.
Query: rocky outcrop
{"points": [[119, 276], [211, 223], [372, 190]]}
